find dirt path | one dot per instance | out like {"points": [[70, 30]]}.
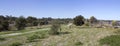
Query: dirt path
{"points": [[14, 34]]}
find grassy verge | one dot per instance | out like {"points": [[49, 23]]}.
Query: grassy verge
{"points": [[113, 40], [25, 30], [23, 39]]}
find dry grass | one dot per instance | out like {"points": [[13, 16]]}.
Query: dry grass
{"points": [[86, 35]]}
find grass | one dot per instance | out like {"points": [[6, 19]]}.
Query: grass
{"points": [[16, 44], [113, 40], [37, 35], [75, 36], [85, 35], [78, 43], [19, 38], [25, 30], [2, 38]]}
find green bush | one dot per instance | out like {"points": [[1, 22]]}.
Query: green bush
{"points": [[86, 24], [16, 44], [33, 37], [2, 39], [54, 29], [37, 35], [42, 34], [78, 43], [113, 40]]}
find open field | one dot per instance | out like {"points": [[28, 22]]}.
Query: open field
{"points": [[86, 36]]}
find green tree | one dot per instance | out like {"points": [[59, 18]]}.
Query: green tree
{"points": [[20, 23], [79, 20], [93, 20], [32, 21], [3, 23]]}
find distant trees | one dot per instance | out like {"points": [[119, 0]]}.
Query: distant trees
{"points": [[13, 23], [3, 23], [31, 21], [20, 23], [93, 20], [78, 20]]}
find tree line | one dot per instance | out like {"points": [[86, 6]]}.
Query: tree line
{"points": [[7, 22]]}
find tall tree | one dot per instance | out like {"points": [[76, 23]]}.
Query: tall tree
{"points": [[79, 20]]}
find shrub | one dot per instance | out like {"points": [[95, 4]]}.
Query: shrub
{"points": [[33, 37], [37, 35], [16, 44], [54, 29], [113, 40], [42, 34], [2, 39], [114, 23], [78, 43], [86, 24]]}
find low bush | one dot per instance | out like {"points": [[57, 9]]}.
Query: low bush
{"points": [[86, 24], [42, 34], [78, 43], [37, 35], [2, 39], [16, 44], [113, 40], [33, 37], [54, 29]]}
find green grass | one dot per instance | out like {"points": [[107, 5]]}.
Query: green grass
{"points": [[113, 40], [2, 38], [25, 30], [87, 36], [75, 36], [16, 44], [19, 38]]}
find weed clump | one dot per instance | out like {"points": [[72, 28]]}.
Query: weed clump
{"points": [[78, 43], [37, 35], [55, 28], [16, 44], [2, 39]]}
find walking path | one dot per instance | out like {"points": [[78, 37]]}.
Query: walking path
{"points": [[14, 34]]}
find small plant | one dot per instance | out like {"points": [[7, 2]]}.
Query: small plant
{"points": [[55, 28], [42, 34], [33, 37], [16, 44], [86, 24], [78, 43], [2, 39]]}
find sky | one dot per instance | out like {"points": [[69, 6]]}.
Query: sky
{"points": [[101, 9]]}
